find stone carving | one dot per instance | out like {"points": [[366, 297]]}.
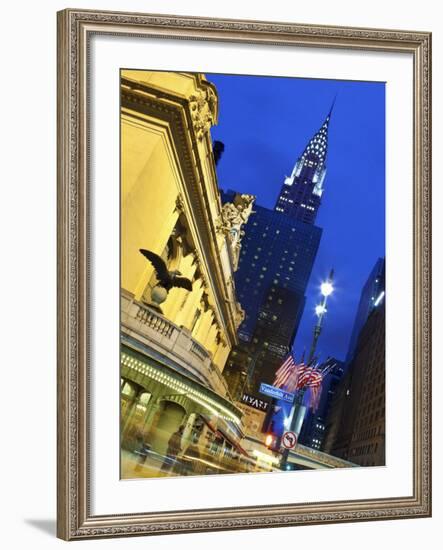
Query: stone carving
{"points": [[179, 204], [203, 106], [166, 279], [234, 216]]}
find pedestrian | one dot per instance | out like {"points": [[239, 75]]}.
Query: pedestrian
{"points": [[142, 452], [173, 449]]}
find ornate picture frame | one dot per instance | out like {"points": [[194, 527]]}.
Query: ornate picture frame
{"points": [[74, 516]]}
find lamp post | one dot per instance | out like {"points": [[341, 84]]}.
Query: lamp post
{"points": [[298, 411], [251, 369], [326, 290]]}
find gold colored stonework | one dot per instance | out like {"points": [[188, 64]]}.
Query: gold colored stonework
{"points": [[203, 111]]}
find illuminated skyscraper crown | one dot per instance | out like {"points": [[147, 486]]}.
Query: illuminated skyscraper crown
{"points": [[302, 190], [318, 145]]}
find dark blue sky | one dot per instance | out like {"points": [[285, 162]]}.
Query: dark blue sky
{"points": [[265, 124]]}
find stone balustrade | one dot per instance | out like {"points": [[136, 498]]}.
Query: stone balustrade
{"points": [[152, 329]]}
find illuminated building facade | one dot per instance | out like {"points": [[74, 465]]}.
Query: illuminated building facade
{"points": [[173, 350], [276, 261]]}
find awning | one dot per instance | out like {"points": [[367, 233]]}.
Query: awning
{"points": [[221, 432]]}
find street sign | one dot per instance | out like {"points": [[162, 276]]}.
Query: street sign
{"points": [[289, 440], [276, 393]]}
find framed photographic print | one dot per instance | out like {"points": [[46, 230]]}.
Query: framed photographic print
{"points": [[244, 274]]}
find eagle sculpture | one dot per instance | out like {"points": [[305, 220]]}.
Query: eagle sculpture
{"points": [[166, 279]]}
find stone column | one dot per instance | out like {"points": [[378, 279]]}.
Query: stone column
{"points": [[130, 413]]}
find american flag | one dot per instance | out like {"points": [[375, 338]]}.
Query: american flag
{"points": [[286, 372], [314, 383], [308, 375], [293, 376]]}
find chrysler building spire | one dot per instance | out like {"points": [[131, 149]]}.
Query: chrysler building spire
{"points": [[300, 195]]}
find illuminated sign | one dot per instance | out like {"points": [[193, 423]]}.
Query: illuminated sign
{"points": [[255, 402], [276, 393]]}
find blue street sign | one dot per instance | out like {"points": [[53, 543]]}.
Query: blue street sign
{"points": [[277, 393]]}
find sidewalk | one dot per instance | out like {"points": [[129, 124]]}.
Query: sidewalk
{"points": [[131, 467]]}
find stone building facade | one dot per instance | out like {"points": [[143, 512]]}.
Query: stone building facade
{"points": [[173, 350]]}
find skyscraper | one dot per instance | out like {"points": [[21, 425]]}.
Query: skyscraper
{"points": [[372, 291], [274, 270], [301, 193], [275, 264], [278, 253], [355, 425]]}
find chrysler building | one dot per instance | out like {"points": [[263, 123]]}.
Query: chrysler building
{"points": [[300, 195]]}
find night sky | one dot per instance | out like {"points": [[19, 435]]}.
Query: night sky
{"points": [[265, 124]]}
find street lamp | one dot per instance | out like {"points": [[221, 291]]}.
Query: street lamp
{"points": [[298, 411], [326, 288], [249, 379]]}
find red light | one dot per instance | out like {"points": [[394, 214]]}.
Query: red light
{"points": [[269, 440]]}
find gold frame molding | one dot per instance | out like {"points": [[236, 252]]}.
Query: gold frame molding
{"points": [[75, 28]]}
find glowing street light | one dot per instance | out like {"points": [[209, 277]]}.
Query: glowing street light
{"points": [[327, 288]]}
